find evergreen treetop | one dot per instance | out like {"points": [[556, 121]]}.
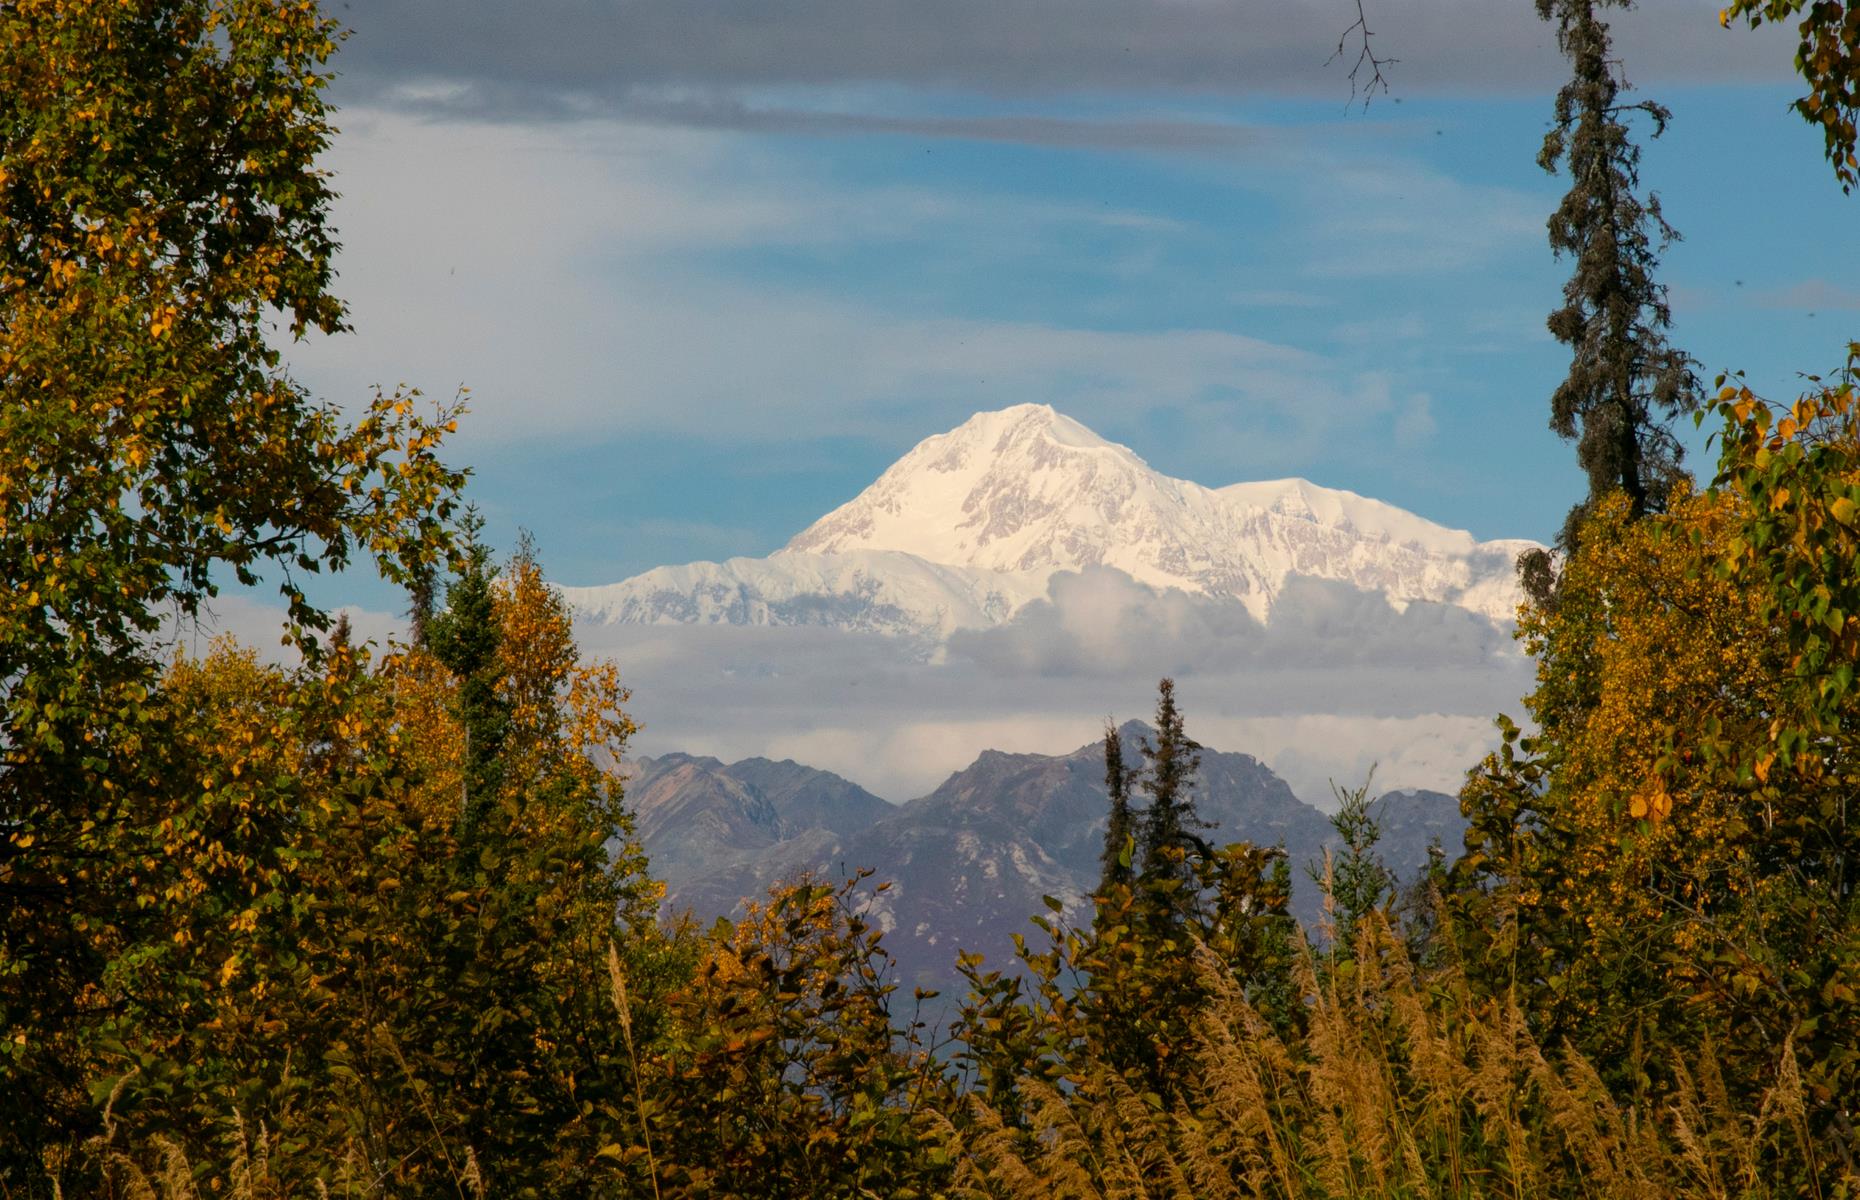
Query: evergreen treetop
{"points": [[1170, 821], [1625, 381], [1119, 835]]}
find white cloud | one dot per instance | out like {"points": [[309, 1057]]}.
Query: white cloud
{"points": [[1375, 216], [1433, 750], [1338, 681], [571, 276]]}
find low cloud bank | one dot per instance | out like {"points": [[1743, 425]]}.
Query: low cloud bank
{"points": [[1336, 682], [1102, 622]]}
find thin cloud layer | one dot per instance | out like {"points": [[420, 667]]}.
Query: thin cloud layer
{"points": [[570, 58], [1812, 294], [579, 281], [259, 626]]}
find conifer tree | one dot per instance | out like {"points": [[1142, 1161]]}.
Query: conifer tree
{"points": [[1355, 880], [465, 639], [510, 1031], [1118, 830], [1141, 969], [1169, 839], [1625, 382]]}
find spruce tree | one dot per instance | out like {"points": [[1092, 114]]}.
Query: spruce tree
{"points": [[1145, 955], [1118, 831], [1355, 880], [1625, 382], [1169, 841], [465, 638]]}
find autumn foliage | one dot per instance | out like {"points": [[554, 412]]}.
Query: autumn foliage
{"points": [[373, 920], [1665, 863]]}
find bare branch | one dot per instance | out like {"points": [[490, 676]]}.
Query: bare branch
{"points": [[1366, 74]]}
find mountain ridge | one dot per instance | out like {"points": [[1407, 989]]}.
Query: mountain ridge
{"points": [[970, 861], [967, 529]]}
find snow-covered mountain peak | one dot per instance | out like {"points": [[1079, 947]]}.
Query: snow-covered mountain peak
{"points": [[968, 526], [1022, 425], [1302, 499], [1020, 442], [1030, 490], [1022, 489]]}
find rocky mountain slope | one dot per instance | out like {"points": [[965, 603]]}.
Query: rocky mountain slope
{"points": [[971, 861], [699, 818], [967, 528]]}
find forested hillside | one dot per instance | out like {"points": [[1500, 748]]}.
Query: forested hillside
{"points": [[377, 922]]}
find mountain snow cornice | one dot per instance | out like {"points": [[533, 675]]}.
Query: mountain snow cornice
{"points": [[968, 527]]}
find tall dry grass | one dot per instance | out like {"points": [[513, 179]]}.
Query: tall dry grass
{"points": [[1403, 1085]]}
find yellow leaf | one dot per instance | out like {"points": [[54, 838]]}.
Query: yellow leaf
{"points": [[1654, 803]]}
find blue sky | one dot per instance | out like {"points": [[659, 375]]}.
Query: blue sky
{"points": [[708, 269], [709, 266]]}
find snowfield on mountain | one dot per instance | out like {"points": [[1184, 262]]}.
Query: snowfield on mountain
{"points": [[970, 526]]}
